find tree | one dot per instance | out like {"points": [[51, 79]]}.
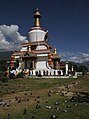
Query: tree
{"points": [[74, 66], [2, 65], [82, 69]]}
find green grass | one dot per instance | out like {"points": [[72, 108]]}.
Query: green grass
{"points": [[18, 85], [36, 90]]}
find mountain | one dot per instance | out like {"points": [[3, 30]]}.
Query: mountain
{"points": [[77, 66], [85, 64], [5, 55]]}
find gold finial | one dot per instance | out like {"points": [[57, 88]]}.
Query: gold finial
{"points": [[55, 51], [37, 17]]}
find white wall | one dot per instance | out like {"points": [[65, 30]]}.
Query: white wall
{"points": [[41, 62], [36, 35], [23, 49], [41, 47]]}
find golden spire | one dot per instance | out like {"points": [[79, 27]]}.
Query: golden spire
{"points": [[55, 51], [37, 17]]}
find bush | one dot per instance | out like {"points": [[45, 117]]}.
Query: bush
{"points": [[4, 79], [11, 76], [20, 75]]}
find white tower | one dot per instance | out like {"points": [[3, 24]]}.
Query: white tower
{"points": [[67, 67], [72, 68]]}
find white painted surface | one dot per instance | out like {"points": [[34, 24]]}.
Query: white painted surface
{"points": [[42, 55], [72, 68], [23, 49], [36, 35], [66, 68], [41, 63], [16, 57], [41, 47]]}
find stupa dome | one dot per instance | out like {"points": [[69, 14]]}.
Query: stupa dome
{"points": [[37, 33]]}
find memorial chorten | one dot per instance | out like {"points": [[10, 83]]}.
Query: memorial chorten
{"points": [[36, 57]]}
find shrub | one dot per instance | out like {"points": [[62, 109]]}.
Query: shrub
{"points": [[11, 76], [4, 79], [20, 75]]}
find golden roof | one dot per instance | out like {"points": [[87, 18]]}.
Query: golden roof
{"points": [[56, 56]]}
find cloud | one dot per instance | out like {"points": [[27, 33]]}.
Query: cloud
{"points": [[78, 57], [82, 57], [10, 38], [65, 55]]}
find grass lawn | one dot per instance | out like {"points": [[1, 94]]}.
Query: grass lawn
{"points": [[43, 98]]}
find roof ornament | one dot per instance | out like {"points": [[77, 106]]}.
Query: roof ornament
{"points": [[46, 36], [37, 17], [55, 51]]}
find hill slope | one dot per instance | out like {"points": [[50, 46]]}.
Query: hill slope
{"points": [[5, 55]]}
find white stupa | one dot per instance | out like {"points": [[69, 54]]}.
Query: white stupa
{"points": [[37, 56]]}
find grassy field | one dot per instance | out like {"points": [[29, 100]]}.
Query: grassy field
{"points": [[45, 98]]}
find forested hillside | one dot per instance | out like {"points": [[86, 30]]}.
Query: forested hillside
{"points": [[5, 55]]}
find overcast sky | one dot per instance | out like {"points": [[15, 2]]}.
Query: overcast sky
{"points": [[66, 20]]}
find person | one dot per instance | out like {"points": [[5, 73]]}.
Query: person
{"points": [[9, 116], [24, 112]]}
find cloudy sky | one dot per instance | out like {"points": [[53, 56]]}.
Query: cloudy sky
{"points": [[66, 20]]}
